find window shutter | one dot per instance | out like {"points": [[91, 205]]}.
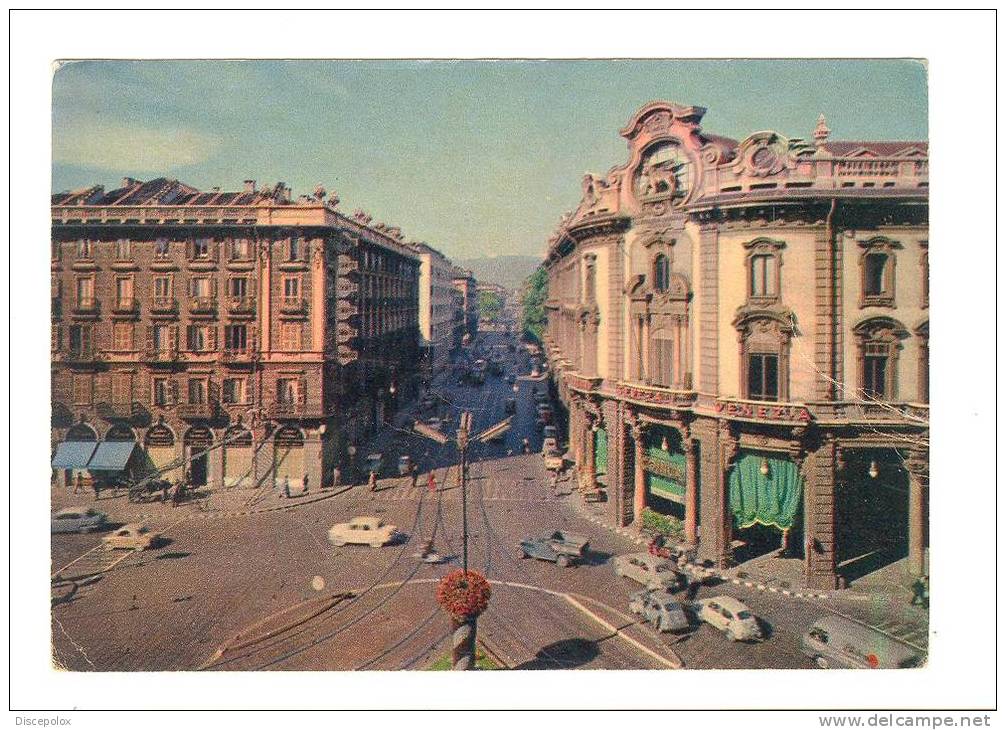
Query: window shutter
{"points": [[173, 394], [211, 338], [173, 338], [213, 287], [302, 391], [190, 248]]}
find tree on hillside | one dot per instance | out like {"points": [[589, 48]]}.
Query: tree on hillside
{"points": [[490, 306], [533, 302]]}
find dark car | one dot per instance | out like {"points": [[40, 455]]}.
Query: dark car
{"points": [[557, 547], [77, 519]]}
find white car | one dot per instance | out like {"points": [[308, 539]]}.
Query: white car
{"points": [[363, 531], [132, 537], [731, 617], [651, 571]]}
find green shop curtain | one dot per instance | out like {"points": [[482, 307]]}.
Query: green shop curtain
{"points": [[666, 474], [600, 451], [766, 499]]}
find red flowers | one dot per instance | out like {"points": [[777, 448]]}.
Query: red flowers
{"points": [[463, 595]]}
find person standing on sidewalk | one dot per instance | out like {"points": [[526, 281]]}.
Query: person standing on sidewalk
{"points": [[305, 484], [373, 481], [286, 487], [414, 473]]}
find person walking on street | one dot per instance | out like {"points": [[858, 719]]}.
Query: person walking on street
{"points": [[305, 484], [414, 473], [176, 498], [286, 487], [165, 488], [78, 483], [373, 481], [431, 482]]}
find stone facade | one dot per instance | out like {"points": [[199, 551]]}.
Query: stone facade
{"points": [[265, 334], [464, 282], [744, 302], [437, 308]]}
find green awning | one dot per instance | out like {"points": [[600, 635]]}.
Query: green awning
{"points": [[112, 456], [73, 454], [666, 470], [666, 488], [769, 499]]}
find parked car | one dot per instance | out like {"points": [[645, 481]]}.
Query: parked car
{"points": [[836, 642], [132, 537], [554, 460], [550, 432], [77, 519], [557, 547], [649, 570], [548, 445], [363, 531], [375, 463], [660, 609], [404, 465], [731, 617]]}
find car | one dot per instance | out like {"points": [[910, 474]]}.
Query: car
{"points": [[837, 642], [649, 570], [132, 537], [548, 445], [557, 547], [550, 432], [553, 460], [77, 519], [660, 609], [434, 422], [730, 616], [404, 465], [363, 531]]}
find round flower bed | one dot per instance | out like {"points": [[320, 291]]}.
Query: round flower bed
{"points": [[463, 594]]}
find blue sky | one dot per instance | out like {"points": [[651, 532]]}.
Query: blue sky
{"points": [[476, 158]]}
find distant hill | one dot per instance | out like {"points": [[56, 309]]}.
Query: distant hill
{"points": [[507, 271]]}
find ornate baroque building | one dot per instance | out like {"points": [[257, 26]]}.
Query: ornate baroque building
{"points": [[740, 333], [257, 336]]}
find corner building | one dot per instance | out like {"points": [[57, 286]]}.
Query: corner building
{"points": [[740, 334], [244, 336]]}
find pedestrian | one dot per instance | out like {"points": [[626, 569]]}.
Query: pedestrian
{"points": [[527, 446], [305, 484], [372, 483], [165, 488], [431, 483], [177, 496], [415, 474], [78, 483], [286, 487], [94, 485], [336, 476], [920, 591]]}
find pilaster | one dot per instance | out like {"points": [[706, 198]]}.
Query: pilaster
{"points": [[709, 310], [819, 497]]}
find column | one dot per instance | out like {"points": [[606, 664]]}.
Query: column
{"points": [[313, 459], [691, 489], [916, 516], [717, 448], [819, 520], [215, 463], [639, 493], [589, 469]]}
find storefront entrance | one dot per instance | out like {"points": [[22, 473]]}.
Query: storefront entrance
{"points": [[766, 499], [238, 457], [289, 454], [871, 512], [197, 440], [665, 472]]}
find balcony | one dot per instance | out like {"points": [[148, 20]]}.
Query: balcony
{"points": [[192, 411], [164, 305], [293, 305], [293, 410], [245, 356], [162, 355], [655, 395], [203, 306], [80, 355], [241, 306], [86, 306], [126, 305], [915, 414]]}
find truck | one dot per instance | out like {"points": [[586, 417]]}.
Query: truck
{"points": [[558, 547]]}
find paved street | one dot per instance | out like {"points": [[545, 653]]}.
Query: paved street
{"points": [[264, 590]]}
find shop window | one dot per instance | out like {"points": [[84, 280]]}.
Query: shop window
{"points": [[877, 272]]}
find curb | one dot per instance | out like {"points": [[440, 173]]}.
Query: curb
{"points": [[703, 571]]}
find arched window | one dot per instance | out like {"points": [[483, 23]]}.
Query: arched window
{"points": [[81, 432], [661, 273]]}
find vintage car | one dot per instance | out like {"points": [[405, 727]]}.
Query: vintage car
{"points": [[404, 465], [840, 643], [649, 570], [363, 531], [77, 519], [375, 463], [730, 616], [553, 460], [557, 547], [660, 609], [132, 537]]}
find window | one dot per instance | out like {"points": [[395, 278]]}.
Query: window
{"points": [[664, 369], [236, 337], [763, 276], [162, 392], [924, 261], [238, 287], [234, 391], [922, 332], [875, 359], [290, 336], [590, 280], [197, 390], [161, 337], [85, 290], [661, 273], [162, 287], [241, 249], [83, 389], [84, 249], [877, 271], [291, 287], [123, 249], [201, 248], [161, 248], [763, 377], [296, 248], [200, 287], [122, 388], [124, 289], [879, 341], [122, 336], [81, 339], [286, 390], [199, 338]]}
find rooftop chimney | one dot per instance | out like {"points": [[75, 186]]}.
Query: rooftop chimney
{"points": [[249, 186]]}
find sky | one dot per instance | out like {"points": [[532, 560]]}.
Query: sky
{"points": [[476, 158]]}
